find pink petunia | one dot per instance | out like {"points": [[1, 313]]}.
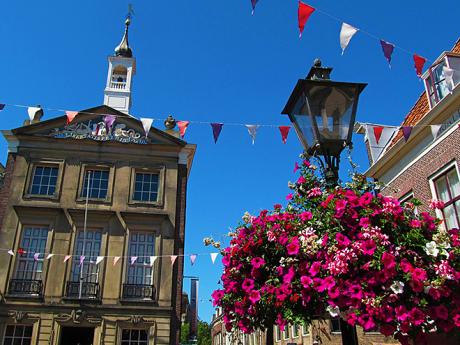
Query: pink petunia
{"points": [[289, 197], [293, 247], [342, 240], [257, 262], [314, 269], [368, 247], [254, 296], [217, 297], [306, 281], [365, 199], [248, 284]]}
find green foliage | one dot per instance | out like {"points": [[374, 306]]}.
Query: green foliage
{"points": [[204, 333], [184, 331]]}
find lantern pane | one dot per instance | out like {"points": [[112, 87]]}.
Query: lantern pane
{"points": [[302, 122]]}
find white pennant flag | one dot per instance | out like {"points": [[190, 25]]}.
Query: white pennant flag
{"points": [[146, 123], [152, 260], [11, 252], [115, 260], [32, 111], [449, 77], [49, 256], [99, 260], [435, 130], [346, 33], [213, 257], [252, 129]]}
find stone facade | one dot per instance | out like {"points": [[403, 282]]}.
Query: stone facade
{"points": [[48, 301]]}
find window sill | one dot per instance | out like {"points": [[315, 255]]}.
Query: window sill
{"points": [[135, 203], [41, 197], [24, 297], [86, 300], [81, 200]]}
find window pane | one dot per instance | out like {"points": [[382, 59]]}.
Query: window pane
{"points": [[43, 180], [141, 245], [98, 184], [146, 187], [33, 241], [441, 189], [92, 246], [454, 183]]}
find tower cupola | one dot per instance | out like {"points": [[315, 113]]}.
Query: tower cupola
{"points": [[123, 48]]}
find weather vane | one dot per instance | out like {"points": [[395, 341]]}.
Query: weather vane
{"points": [[130, 11]]}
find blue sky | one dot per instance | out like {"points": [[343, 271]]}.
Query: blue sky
{"points": [[206, 60]]}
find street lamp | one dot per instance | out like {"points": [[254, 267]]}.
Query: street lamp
{"points": [[323, 114]]}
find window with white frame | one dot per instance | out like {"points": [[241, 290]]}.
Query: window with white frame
{"points": [[98, 182], [43, 181], [447, 188], [335, 326], [442, 78], [295, 331], [407, 198], [31, 252], [18, 335], [142, 246], [277, 331], [286, 332], [305, 330], [91, 243], [134, 337], [146, 187]]}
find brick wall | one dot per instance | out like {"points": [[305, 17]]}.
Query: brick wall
{"points": [[416, 177], [5, 190]]}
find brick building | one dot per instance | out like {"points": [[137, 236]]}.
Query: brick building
{"points": [[92, 211]]}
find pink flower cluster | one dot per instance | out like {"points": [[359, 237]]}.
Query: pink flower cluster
{"points": [[346, 250]]}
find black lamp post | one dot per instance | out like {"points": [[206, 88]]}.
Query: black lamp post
{"points": [[323, 113]]}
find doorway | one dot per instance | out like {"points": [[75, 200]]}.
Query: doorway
{"points": [[77, 336]]}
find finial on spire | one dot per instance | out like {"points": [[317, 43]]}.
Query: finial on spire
{"points": [[123, 48]]}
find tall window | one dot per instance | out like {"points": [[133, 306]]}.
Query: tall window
{"points": [[305, 330], [295, 331], [33, 241], [18, 335], [92, 244], [448, 190], [43, 180], [134, 337], [277, 333], [141, 245], [436, 83], [146, 187], [286, 332], [335, 326], [98, 183]]}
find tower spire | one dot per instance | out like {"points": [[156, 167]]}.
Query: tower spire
{"points": [[123, 48]]}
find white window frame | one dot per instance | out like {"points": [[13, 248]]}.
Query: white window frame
{"points": [[305, 330], [14, 333], [143, 261], [278, 335], [432, 178], [28, 257], [134, 329], [89, 267], [298, 331], [286, 330]]}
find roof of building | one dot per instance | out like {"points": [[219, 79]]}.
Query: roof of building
{"points": [[420, 108]]}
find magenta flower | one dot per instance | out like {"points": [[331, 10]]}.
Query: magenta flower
{"points": [[342, 240], [293, 247], [306, 281], [257, 262], [217, 296], [314, 269], [301, 180], [368, 247], [340, 206], [365, 199], [305, 216], [254, 296], [289, 196], [419, 274], [248, 285], [388, 260]]}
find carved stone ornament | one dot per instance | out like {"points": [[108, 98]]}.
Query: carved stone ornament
{"points": [[18, 316], [98, 131], [78, 316]]}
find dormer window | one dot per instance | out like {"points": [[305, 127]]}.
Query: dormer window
{"points": [[442, 77]]}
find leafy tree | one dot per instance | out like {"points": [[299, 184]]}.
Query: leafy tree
{"points": [[204, 333], [184, 331]]}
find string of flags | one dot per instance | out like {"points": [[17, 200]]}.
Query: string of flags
{"points": [[347, 31], [115, 259], [217, 127]]}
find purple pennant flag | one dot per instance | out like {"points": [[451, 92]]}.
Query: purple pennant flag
{"points": [[387, 50], [109, 120], [216, 129], [192, 259], [406, 132], [36, 256], [82, 258], [253, 3], [2, 106], [133, 260]]}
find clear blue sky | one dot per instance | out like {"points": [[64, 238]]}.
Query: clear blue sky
{"points": [[205, 60]]}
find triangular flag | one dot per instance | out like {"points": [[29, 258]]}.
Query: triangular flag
{"points": [[407, 130], [216, 129], [213, 257], [435, 130], [192, 259], [99, 260], [115, 260], [36, 256], [419, 61], [304, 12], [173, 259], [70, 116], [253, 3], [449, 77], [252, 129], [82, 259], [182, 127], [49, 256], [32, 111], [377, 132], [21, 251], [346, 33], [109, 121], [67, 257], [152, 260], [11, 252], [133, 259], [2, 106], [387, 48], [147, 124], [284, 130]]}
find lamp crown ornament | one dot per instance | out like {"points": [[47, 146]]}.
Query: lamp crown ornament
{"points": [[318, 72], [170, 122]]}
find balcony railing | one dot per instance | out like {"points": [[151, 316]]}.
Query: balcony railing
{"points": [[25, 287], [88, 290], [117, 85], [138, 292]]}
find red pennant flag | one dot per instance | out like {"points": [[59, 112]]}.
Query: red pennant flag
{"points": [[70, 116], [419, 61], [304, 13], [284, 130], [216, 129], [377, 132], [21, 251], [406, 132], [182, 127]]}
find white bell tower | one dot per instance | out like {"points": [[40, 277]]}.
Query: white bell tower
{"points": [[122, 67]]}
